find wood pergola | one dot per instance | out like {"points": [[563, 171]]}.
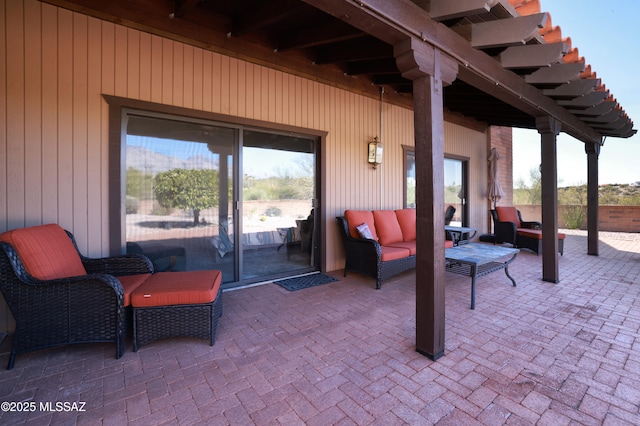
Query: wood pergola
{"points": [[501, 62]]}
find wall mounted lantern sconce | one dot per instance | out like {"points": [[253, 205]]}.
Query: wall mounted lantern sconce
{"points": [[376, 149]]}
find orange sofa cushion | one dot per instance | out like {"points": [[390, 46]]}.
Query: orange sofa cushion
{"points": [[393, 253], [177, 288], [46, 251], [387, 227], [508, 214], [130, 283], [358, 217], [407, 221], [409, 245]]}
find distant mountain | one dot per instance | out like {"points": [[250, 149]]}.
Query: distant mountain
{"points": [[149, 161]]}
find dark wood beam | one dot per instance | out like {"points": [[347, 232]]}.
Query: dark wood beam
{"points": [[183, 7], [368, 48], [266, 14], [549, 129], [393, 22], [593, 152], [573, 89], [442, 10], [503, 32], [385, 66], [532, 55], [323, 33], [429, 69]]}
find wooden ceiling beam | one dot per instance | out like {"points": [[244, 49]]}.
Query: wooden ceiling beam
{"points": [[503, 32], [586, 101], [386, 66], [442, 10], [182, 7], [263, 16], [394, 21], [595, 111], [556, 74], [321, 34], [359, 50], [605, 118], [573, 89], [532, 55]]}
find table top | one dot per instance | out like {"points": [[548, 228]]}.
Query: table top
{"points": [[479, 254], [459, 229]]}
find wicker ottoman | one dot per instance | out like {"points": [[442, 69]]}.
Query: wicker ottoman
{"points": [[171, 304]]}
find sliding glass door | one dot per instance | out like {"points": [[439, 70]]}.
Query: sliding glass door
{"points": [[203, 195], [278, 192]]}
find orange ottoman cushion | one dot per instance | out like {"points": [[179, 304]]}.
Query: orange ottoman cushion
{"points": [[130, 283], [177, 288]]}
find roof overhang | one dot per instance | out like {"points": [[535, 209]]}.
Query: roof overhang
{"points": [[514, 65]]}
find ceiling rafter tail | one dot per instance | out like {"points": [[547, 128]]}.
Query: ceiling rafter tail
{"points": [[182, 7], [442, 10], [402, 18], [532, 55], [504, 32], [263, 16], [386, 66], [322, 34], [353, 50]]}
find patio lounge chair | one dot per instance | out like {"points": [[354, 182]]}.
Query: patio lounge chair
{"points": [[58, 297], [510, 228]]}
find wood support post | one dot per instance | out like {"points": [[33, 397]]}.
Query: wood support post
{"points": [[549, 128], [593, 151], [428, 68]]}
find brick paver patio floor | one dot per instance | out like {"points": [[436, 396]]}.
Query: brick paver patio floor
{"points": [[343, 353]]}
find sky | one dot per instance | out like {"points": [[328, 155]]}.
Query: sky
{"points": [[606, 35]]}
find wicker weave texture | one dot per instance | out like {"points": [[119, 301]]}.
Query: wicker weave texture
{"points": [[80, 309], [161, 322], [365, 256]]}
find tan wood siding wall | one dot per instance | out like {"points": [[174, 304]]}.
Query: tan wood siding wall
{"points": [[56, 65], [471, 144]]}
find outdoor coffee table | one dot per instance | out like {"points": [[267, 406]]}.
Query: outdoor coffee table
{"points": [[460, 234], [476, 260]]}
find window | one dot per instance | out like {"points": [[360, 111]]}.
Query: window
{"points": [[455, 175]]}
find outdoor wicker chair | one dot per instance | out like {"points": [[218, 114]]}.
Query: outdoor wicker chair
{"points": [[57, 296]]}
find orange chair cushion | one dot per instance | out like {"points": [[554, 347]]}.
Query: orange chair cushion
{"points": [[407, 221], [536, 234], [358, 217], [508, 214], [387, 227], [177, 288], [393, 253], [130, 283], [46, 251]]}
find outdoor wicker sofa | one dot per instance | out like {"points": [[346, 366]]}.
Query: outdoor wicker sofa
{"points": [[389, 250], [58, 297]]}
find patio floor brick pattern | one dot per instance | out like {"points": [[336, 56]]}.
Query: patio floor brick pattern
{"points": [[344, 353]]}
